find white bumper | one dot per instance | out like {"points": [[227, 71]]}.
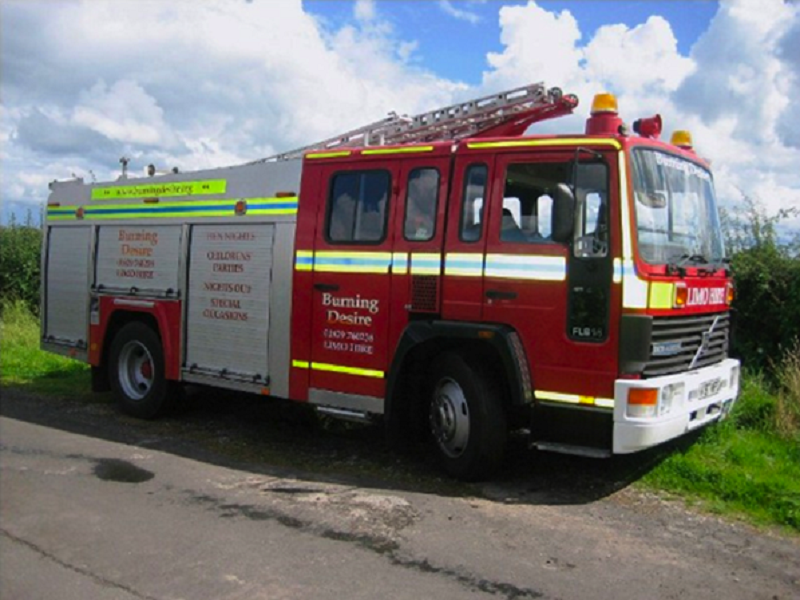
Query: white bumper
{"points": [[707, 396]]}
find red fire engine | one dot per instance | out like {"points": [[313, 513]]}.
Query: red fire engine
{"points": [[445, 273]]}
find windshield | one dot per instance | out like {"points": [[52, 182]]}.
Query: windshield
{"points": [[676, 210]]}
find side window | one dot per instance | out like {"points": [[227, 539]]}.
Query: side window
{"points": [[422, 201], [528, 201], [473, 203], [591, 232], [357, 207]]}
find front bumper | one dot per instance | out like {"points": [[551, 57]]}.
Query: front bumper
{"points": [[707, 396]]}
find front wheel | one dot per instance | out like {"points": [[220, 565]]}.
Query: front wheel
{"points": [[136, 371], [466, 418]]}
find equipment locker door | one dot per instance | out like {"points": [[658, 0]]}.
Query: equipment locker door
{"points": [[66, 319], [351, 287]]}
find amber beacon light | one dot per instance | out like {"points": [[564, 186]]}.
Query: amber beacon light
{"points": [[682, 139]]}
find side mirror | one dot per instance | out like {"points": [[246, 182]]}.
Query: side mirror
{"points": [[563, 214]]}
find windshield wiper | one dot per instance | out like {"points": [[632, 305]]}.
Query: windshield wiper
{"points": [[679, 266]]}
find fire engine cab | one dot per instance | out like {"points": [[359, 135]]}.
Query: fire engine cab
{"points": [[444, 273]]}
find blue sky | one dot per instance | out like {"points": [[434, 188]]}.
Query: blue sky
{"points": [[456, 48], [219, 82]]}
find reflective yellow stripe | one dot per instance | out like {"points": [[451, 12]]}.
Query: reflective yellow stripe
{"points": [[329, 154], [161, 190], [661, 294], [545, 142], [574, 399], [302, 364], [346, 370], [409, 150], [558, 397]]}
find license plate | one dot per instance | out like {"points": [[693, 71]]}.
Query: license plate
{"points": [[709, 388]]}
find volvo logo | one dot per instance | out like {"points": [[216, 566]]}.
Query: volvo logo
{"points": [[705, 342]]}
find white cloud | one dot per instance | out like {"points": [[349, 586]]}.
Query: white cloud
{"points": [[364, 10], [191, 84], [218, 82], [539, 46], [732, 91], [123, 112], [459, 13]]}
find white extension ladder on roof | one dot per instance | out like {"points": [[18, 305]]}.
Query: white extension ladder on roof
{"points": [[527, 104]]}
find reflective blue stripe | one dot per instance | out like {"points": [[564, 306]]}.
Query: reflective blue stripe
{"points": [[400, 262], [352, 261], [464, 264], [90, 210], [492, 265]]}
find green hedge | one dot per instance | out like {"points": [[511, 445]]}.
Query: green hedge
{"points": [[767, 305], [766, 271], [20, 249]]}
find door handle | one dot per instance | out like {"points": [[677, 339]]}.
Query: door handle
{"points": [[326, 287], [500, 295]]}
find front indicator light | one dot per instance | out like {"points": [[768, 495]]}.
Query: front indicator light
{"points": [[642, 403], [681, 295]]}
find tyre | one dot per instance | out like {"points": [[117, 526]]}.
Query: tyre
{"points": [[136, 372], [466, 418]]}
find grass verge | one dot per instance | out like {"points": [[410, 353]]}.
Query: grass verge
{"points": [[23, 364], [748, 465]]}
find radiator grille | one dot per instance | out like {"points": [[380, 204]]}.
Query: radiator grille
{"points": [[424, 293], [676, 341]]}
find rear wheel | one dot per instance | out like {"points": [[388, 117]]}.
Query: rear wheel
{"points": [[466, 418], [136, 371]]}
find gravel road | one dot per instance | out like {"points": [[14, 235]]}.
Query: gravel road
{"points": [[238, 497]]}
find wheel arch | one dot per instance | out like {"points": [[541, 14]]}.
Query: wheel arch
{"points": [[497, 347], [162, 317]]}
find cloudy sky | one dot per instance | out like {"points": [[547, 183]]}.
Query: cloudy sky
{"points": [[217, 82]]}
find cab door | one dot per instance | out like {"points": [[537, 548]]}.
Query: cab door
{"points": [[350, 312], [556, 295]]}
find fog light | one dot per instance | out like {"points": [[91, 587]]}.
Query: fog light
{"points": [[671, 395], [733, 382]]}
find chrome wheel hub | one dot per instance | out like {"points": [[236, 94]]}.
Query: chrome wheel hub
{"points": [[135, 370], [449, 418]]}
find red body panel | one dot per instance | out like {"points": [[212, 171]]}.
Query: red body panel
{"points": [[167, 314], [539, 311]]}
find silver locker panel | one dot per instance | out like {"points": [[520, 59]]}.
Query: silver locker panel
{"points": [[141, 257], [67, 286], [230, 268]]}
